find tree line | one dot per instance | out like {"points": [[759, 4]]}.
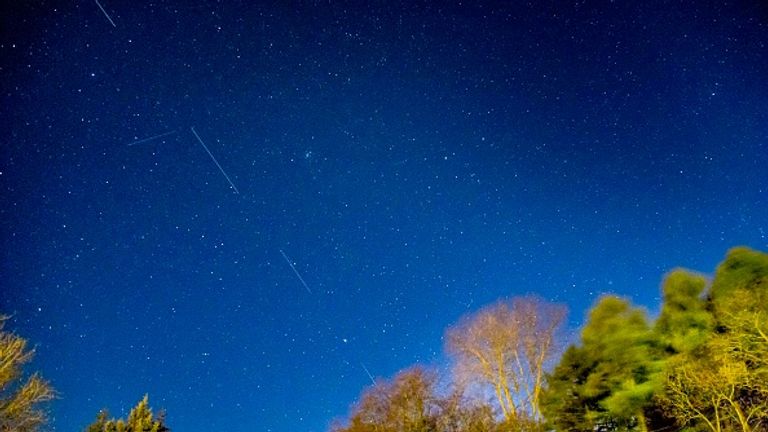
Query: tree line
{"points": [[23, 399], [700, 365]]}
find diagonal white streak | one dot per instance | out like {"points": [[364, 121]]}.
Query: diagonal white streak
{"points": [[301, 279], [214, 160], [368, 373], [105, 13], [153, 137]]}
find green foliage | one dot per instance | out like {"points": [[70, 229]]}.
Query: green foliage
{"points": [[563, 402], [702, 365], [622, 347], [743, 271], [743, 268], [140, 419], [20, 400], [723, 384], [684, 323]]}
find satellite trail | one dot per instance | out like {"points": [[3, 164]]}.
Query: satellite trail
{"points": [[105, 13], [154, 137], [217, 164], [301, 279], [369, 374]]}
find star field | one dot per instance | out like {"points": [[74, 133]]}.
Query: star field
{"points": [[359, 175]]}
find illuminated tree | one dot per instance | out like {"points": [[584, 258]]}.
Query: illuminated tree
{"points": [[457, 413], [723, 384], [20, 400], [744, 270], [404, 404], [140, 419], [506, 348], [702, 366], [409, 403], [715, 390]]}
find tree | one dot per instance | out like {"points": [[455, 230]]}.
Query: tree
{"points": [[716, 390], [723, 385], [20, 401], [457, 413], [564, 403], [608, 381], [140, 419], [405, 404], [506, 347], [684, 323], [409, 403], [743, 269], [626, 371], [703, 365]]}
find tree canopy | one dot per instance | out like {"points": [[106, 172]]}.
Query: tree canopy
{"points": [[21, 400], [506, 347], [701, 364], [140, 419]]}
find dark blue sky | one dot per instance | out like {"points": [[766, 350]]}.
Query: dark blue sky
{"points": [[413, 161]]}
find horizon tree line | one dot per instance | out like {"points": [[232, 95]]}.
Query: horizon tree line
{"points": [[701, 365]]}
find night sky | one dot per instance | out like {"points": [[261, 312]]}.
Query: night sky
{"points": [[396, 165]]}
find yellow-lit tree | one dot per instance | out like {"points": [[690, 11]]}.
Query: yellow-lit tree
{"points": [[506, 347], [20, 400], [409, 402], [723, 385], [718, 387], [404, 404], [141, 419]]}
